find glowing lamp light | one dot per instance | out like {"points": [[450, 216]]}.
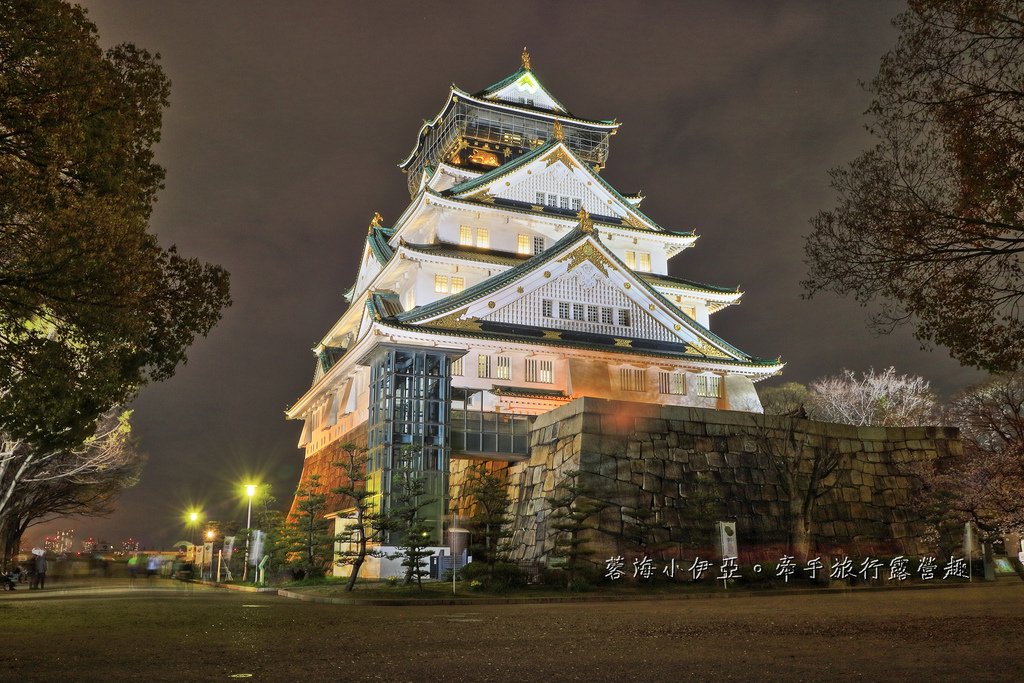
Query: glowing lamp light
{"points": [[250, 490]]}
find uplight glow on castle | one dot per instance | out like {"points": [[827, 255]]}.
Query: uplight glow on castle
{"points": [[516, 280]]}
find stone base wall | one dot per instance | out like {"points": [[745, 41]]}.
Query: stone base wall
{"points": [[331, 477], [693, 467]]}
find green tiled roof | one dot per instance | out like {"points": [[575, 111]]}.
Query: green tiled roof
{"points": [[504, 258], [377, 238], [670, 281]]}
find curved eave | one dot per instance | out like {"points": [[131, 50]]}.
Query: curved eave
{"points": [[759, 367]]}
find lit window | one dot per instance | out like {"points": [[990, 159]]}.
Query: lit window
{"points": [[632, 379], [540, 199], [457, 368], [579, 312], [563, 203], [709, 386], [483, 366], [458, 284], [483, 238], [552, 200], [523, 244], [466, 236], [504, 367], [547, 307], [672, 383], [644, 262], [441, 284], [576, 204], [540, 371], [592, 314], [538, 245], [690, 311], [631, 259], [563, 310], [623, 317]]}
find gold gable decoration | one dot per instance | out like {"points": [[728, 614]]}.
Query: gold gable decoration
{"points": [[699, 346], [455, 321], [588, 252], [375, 222], [525, 59], [586, 225]]}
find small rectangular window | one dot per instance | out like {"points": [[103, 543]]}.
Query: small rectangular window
{"points": [[577, 204], [563, 310], [540, 371], [672, 383], [523, 244], [483, 238], [483, 366], [592, 314], [607, 316], [623, 317], [457, 368], [441, 284], [579, 312], [547, 308], [709, 386], [540, 199], [644, 262], [690, 311], [631, 259], [553, 200], [458, 284], [538, 245], [632, 379], [466, 236], [504, 367], [563, 203]]}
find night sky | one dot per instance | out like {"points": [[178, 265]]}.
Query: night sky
{"points": [[287, 121]]}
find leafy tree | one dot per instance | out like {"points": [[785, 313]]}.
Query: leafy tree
{"points": [[404, 519], [312, 543], [366, 525], [805, 474], [571, 508], [91, 306], [490, 514], [882, 399], [788, 399], [983, 484], [931, 219]]}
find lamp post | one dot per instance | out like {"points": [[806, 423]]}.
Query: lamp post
{"points": [[193, 517], [250, 491], [209, 537]]}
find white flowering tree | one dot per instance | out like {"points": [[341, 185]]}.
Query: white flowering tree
{"points": [[882, 399]]}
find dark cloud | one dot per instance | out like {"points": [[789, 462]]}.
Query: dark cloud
{"points": [[287, 120]]}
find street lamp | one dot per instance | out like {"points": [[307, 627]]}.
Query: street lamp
{"points": [[250, 491], [193, 517]]}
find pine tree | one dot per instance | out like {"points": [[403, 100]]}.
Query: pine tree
{"points": [[490, 516], [405, 520], [311, 539], [367, 524], [571, 507]]}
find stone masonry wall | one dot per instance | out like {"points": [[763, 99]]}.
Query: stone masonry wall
{"points": [[695, 466]]}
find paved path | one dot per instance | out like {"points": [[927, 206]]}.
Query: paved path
{"points": [[161, 633]]}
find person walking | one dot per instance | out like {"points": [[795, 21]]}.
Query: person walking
{"points": [[133, 569], [40, 565]]}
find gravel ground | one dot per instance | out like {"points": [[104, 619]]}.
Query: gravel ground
{"points": [[163, 632]]}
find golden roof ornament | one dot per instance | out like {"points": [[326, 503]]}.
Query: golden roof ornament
{"points": [[525, 57], [558, 132], [375, 222], [586, 225]]}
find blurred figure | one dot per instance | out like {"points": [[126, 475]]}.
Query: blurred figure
{"points": [[133, 569], [39, 564], [152, 566]]}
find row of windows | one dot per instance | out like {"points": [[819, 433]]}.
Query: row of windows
{"points": [[444, 284], [586, 313], [558, 201], [526, 245], [635, 379], [482, 235], [639, 260], [500, 367]]}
